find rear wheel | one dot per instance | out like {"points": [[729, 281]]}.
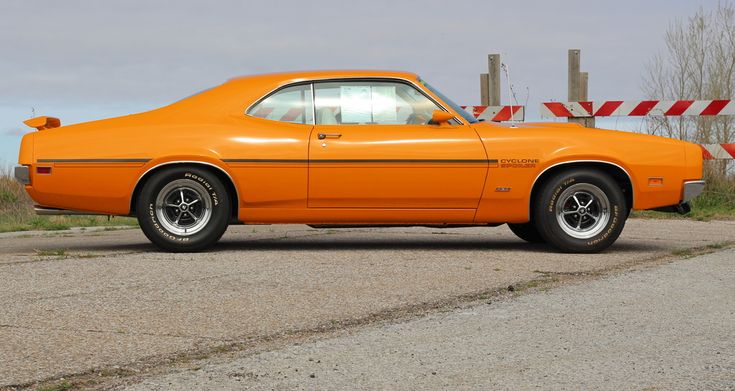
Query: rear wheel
{"points": [[183, 209], [527, 232], [580, 210]]}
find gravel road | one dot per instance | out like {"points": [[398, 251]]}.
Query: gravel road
{"points": [[666, 328], [90, 302]]}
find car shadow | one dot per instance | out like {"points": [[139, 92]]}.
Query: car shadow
{"points": [[453, 243], [379, 244]]}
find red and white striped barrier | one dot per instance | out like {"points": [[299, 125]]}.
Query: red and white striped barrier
{"points": [[718, 151], [638, 108], [497, 113]]}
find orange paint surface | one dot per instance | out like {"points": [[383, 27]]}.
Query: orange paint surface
{"points": [[283, 172]]}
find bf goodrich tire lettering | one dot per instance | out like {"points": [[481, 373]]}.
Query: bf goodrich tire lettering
{"points": [[580, 210], [183, 209]]}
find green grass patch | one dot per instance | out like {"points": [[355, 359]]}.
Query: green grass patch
{"points": [[51, 253], [693, 252], [62, 386]]}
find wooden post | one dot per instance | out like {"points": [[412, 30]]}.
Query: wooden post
{"points": [[493, 64], [484, 89], [589, 122], [577, 86], [573, 81]]}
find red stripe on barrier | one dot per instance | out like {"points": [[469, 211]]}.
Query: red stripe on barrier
{"points": [[643, 108], [263, 112], [729, 148], [558, 109], [291, 114], [502, 115], [478, 110], [715, 107], [608, 108], [705, 153], [505, 115], [679, 107]]}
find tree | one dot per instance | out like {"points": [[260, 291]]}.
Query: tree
{"points": [[698, 63]]}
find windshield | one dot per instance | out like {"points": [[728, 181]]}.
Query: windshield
{"points": [[467, 116]]}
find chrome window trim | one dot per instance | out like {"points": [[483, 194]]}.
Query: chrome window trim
{"points": [[350, 78], [313, 105], [283, 87], [237, 191], [630, 178]]}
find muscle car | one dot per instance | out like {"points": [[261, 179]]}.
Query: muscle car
{"points": [[347, 148]]}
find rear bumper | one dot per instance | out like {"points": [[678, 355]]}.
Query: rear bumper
{"points": [[23, 175]]}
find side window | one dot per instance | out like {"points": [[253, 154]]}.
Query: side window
{"points": [[371, 102], [292, 104]]}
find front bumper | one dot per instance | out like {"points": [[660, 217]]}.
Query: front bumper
{"points": [[691, 190], [23, 175]]}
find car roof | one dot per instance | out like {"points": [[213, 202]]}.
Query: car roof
{"points": [[290, 77]]}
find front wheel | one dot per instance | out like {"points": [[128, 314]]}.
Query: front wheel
{"points": [[183, 209], [580, 211]]}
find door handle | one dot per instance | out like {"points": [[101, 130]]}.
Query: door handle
{"points": [[322, 136]]}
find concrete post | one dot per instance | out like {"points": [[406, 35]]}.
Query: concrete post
{"points": [[493, 63], [484, 89], [584, 96], [577, 86]]}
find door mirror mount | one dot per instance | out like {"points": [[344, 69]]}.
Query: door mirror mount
{"points": [[439, 117]]}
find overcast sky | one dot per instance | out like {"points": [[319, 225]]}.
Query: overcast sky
{"points": [[85, 60]]}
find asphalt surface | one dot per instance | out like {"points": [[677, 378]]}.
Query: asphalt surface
{"points": [[667, 328], [88, 301]]}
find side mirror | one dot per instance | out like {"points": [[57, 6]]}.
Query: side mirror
{"points": [[439, 117]]}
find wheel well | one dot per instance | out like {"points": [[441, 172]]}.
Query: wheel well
{"points": [[221, 175], [618, 174]]}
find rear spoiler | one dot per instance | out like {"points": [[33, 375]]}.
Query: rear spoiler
{"points": [[42, 123]]}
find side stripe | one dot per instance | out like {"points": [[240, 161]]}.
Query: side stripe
{"points": [[336, 161], [94, 160]]}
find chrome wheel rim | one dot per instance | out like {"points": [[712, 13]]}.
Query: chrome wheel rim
{"points": [[583, 210], [183, 207]]}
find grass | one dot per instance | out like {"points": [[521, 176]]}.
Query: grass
{"points": [[51, 253], [16, 212], [693, 252], [63, 386]]}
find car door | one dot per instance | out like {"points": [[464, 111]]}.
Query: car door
{"points": [[373, 147]]}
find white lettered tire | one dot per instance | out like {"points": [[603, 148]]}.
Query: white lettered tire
{"points": [[183, 209], [580, 211]]}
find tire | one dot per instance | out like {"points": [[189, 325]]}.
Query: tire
{"points": [[189, 226], [527, 232], [580, 211]]}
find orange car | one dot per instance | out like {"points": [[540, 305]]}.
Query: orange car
{"points": [[345, 148]]}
